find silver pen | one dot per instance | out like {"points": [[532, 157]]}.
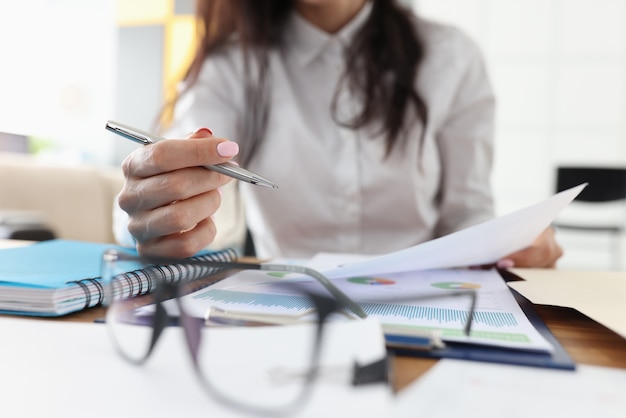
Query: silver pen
{"points": [[228, 169]]}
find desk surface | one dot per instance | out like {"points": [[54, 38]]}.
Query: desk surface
{"points": [[584, 339]]}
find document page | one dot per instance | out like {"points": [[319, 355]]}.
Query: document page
{"points": [[400, 301], [481, 244], [71, 370], [454, 388]]}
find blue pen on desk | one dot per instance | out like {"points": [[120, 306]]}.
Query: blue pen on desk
{"points": [[228, 169], [424, 340]]}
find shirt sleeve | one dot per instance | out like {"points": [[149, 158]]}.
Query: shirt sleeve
{"points": [[465, 141]]}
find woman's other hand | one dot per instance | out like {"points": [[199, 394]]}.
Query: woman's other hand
{"points": [[543, 253], [170, 199]]}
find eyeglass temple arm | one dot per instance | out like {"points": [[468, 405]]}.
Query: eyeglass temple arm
{"points": [[341, 297], [471, 293], [323, 280], [470, 318], [374, 372]]}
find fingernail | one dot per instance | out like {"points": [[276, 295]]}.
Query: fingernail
{"points": [[505, 264], [227, 149], [219, 190], [204, 130]]}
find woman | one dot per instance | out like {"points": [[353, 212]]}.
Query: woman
{"points": [[376, 125]]}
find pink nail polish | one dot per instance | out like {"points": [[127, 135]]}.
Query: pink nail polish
{"points": [[505, 263], [227, 149]]}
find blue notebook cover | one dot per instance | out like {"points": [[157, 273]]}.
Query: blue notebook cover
{"points": [[57, 277], [51, 278], [51, 264]]}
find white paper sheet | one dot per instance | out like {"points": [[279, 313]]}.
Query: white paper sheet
{"points": [[481, 244], [455, 388], [63, 369]]}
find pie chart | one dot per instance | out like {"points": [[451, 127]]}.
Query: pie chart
{"points": [[375, 281], [456, 285]]}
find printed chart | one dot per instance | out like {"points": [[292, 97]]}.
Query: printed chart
{"points": [[415, 300]]}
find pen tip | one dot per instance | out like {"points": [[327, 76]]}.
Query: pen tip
{"points": [[264, 183]]}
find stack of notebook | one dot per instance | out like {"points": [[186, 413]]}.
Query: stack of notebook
{"points": [[57, 277]]}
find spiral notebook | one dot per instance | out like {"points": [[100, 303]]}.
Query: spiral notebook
{"points": [[57, 277]]}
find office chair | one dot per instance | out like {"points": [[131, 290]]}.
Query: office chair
{"points": [[600, 207], [24, 225]]}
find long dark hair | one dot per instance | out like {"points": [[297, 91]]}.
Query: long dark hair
{"points": [[382, 62]]}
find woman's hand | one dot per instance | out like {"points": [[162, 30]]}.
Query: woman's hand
{"points": [[170, 199], [543, 253]]}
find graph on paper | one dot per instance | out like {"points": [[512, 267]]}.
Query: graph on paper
{"points": [[407, 312], [497, 320]]}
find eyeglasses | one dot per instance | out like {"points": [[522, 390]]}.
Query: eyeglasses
{"points": [[144, 295]]}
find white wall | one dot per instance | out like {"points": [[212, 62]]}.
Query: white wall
{"points": [[558, 68], [57, 74], [559, 73]]}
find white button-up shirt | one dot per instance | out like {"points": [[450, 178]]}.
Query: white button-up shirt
{"points": [[337, 191]]}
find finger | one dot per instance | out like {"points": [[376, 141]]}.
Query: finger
{"points": [[181, 244], [160, 190], [544, 252], [557, 252], [172, 154], [538, 257], [529, 257], [200, 133], [173, 218]]}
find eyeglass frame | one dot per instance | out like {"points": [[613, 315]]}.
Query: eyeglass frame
{"points": [[374, 372]]}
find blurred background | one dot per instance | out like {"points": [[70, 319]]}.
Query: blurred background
{"points": [[558, 68]]}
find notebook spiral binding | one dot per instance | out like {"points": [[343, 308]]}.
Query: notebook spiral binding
{"points": [[91, 287], [139, 282]]}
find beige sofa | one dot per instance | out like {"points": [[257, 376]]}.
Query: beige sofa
{"points": [[75, 201]]}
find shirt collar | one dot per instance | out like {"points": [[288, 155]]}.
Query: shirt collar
{"points": [[305, 41]]}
